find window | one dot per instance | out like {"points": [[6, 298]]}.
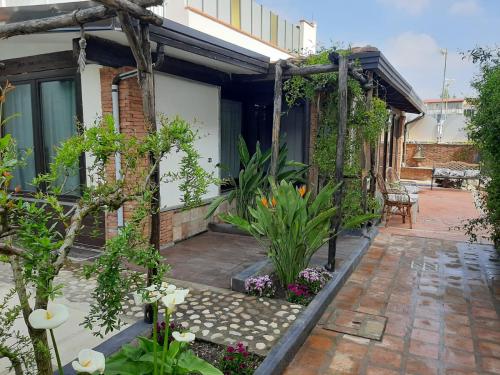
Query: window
{"points": [[47, 113], [231, 114]]}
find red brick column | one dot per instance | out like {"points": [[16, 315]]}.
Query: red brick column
{"points": [[132, 124]]}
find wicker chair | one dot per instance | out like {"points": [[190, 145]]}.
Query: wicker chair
{"points": [[396, 202]]}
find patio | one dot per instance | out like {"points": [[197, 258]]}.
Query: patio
{"points": [[441, 297], [211, 258]]}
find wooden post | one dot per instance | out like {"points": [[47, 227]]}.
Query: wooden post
{"points": [[366, 155], [278, 91], [312, 178], [141, 49], [339, 161]]}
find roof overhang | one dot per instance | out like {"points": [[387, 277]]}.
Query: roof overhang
{"points": [[181, 41], [398, 92]]}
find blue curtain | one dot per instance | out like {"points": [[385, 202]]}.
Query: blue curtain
{"points": [[230, 130], [21, 128], [58, 117]]}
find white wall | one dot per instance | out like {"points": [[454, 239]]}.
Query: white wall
{"points": [[425, 129], [91, 104], [218, 30], [308, 33], [198, 104], [32, 45]]}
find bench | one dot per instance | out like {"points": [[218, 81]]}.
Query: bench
{"points": [[456, 170]]}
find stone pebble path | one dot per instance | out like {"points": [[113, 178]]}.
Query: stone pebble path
{"points": [[213, 314], [226, 317]]}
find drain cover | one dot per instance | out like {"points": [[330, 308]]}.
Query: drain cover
{"points": [[357, 324]]}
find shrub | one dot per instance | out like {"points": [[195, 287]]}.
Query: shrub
{"points": [[291, 224], [261, 286], [297, 293], [314, 278], [237, 361]]}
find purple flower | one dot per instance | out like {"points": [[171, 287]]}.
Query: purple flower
{"points": [[230, 349]]}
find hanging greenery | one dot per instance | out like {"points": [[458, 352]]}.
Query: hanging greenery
{"points": [[365, 123]]}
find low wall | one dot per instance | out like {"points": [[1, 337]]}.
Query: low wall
{"points": [[440, 153], [180, 224], [416, 173]]}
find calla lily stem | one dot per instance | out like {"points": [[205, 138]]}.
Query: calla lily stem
{"points": [[56, 351], [165, 340], [155, 337]]}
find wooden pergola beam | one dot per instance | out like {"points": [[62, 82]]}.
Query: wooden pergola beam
{"points": [[133, 9], [78, 17]]}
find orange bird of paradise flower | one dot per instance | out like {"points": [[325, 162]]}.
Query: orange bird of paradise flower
{"points": [[274, 202], [302, 190], [264, 202]]}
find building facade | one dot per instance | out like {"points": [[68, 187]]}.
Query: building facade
{"points": [[438, 137], [218, 78]]}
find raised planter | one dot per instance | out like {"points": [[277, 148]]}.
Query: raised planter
{"points": [[226, 228], [283, 352]]}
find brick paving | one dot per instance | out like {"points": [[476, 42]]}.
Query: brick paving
{"points": [[442, 317], [440, 210], [441, 314]]}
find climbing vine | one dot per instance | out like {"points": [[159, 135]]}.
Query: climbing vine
{"points": [[365, 123]]}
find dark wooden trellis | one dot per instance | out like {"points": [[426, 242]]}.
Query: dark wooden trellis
{"points": [[135, 20], [344, 67]]}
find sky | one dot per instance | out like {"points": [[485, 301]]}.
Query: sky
{"points": [[410, 33]]}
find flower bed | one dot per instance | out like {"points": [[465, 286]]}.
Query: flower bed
{"points": [[307, 285]]}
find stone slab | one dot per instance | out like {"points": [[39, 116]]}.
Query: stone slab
{"points": [[357, 324]]}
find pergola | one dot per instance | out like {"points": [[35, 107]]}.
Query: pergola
{"points": [[135, 20]]}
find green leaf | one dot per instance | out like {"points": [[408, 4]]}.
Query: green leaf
{"points": [[189, 363]]}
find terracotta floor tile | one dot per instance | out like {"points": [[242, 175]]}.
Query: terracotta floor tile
{"points": [[310, 358], [344, 364], [457, 329], [424, 349], [491, 364], [424, 335], [318, 342], [484, 313], [453, 371], [459, 342], [489, 349], [352, 349], [421, 366], [457, 318], [372, 370], [459, 358], [429, 324], [391, 342], [385, 357]]}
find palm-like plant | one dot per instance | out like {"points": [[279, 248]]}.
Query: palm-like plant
{"points": [[291, 224], [253, 177]]}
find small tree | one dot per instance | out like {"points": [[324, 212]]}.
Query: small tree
{"points": [[484, 131], [36, 237]]}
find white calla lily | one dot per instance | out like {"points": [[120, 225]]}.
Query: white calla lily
{"points": [[149, 295], [89, 362], [55, 315], [167, 288], [183, 337], [170, 301]]}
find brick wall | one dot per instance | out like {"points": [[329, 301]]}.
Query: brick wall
{"points": [[175, 225], [131, 123], [440, 153]]}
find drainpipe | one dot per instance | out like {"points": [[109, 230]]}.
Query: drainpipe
{"points": [[115, 100], [419, 117]]}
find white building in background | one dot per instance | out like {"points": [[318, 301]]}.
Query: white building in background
{"points": [[445, 121], [243, 23]]}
